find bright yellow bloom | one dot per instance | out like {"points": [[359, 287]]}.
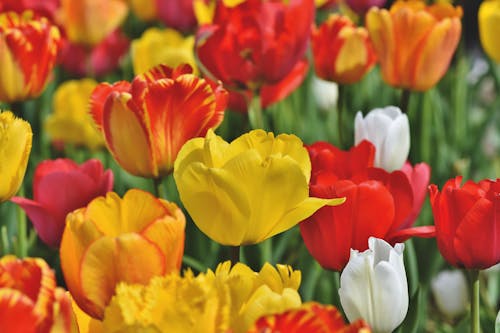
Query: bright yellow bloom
{"points": [[414, 42], [489, 28], [230, 299], [162, 46], [15, 147], [204, 10], [144, 9], [71, 122], [248, 190], [116, 240], [90, 21]]}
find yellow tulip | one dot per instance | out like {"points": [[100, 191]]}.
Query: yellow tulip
{"points": [[162, 46], [229, 299], [489, 28], [116, 240], [71, 122], [15, 147], [248, 190]]}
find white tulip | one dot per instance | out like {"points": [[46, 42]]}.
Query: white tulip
{"points": [[450, 292], [326, 93], [373, 286], [389, 131]]}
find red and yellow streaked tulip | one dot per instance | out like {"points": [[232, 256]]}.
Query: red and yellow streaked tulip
{"points": [[489, 28], [310, 317], [28, 50], [414, 42], [162, 46], [15, 147], [227, 300], [342, 52], [88, 22], [231, 189], [116, 240], [146, 122], [71, 123], [29, 299]]}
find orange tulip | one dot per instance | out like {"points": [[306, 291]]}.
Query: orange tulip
{"points": [[29, 299], [116, 240], [414, 42], [146, 122], [90, 21], [28, 50], [342, 52]]}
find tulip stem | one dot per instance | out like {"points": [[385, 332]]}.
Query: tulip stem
{"points": [[21, 248], [405, 100], [234, 254], [255, 111], [159, 188], [474, 281]]}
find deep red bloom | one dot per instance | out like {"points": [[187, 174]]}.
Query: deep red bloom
{"points": [[59, 187], [103, 58], [467, 222], [255, 43], [176, 14], [378, 204]]}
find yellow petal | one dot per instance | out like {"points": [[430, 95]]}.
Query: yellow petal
{"points": [[12, 81], [489, 28]]}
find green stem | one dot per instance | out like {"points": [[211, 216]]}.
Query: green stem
{"points": [[340, 111], [22, 241], [234, 254], [255, 112], [266, 252], [474, 281], [405, 100], [159, 188]]}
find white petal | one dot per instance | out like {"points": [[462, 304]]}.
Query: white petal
{"points": [[396, 146]]}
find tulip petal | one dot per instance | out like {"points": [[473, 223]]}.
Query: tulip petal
{"points": [[17, 312], [124, 257], [396, 145], [99, 96]]}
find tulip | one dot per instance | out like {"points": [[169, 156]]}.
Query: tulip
{"points": [[466, 219], [326, 4], [450, 292], [373, 286], [326, 93], [419, 176], [88, 22], [116, 240], [30, 300], [248, 190], [71, 123], [342, 52], [144, 9], [362, 6], [59, 187], [28, 50], [234, 49], [378, 204], [414, 43], [229, 299], [146, 122], [489, 28], [310, 317], [82, 60], [15, 147], [165, 46], [389, 131], [176, 14], [45, 8]]}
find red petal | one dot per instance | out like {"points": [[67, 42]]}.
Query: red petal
{"points": [[100, 95]]}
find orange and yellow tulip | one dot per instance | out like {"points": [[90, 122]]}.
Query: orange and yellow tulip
{"points": [[342, 52], [30, 300], [414, 43], [116, 240], [146, 122], [90, 21], [15, 147], [28, 50]]}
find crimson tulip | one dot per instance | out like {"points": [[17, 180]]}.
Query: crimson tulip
{"points": [[176, 14], [59, 187], [46, 8], [467, 222], [255, 43], [378, 204]]}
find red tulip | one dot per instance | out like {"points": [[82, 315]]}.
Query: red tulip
{"points": [[46, 8], [362, 6], [378, 204], [98, 60], [255, 43], [176, 14], [419, 176], [59, 187], [467, 222]]}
